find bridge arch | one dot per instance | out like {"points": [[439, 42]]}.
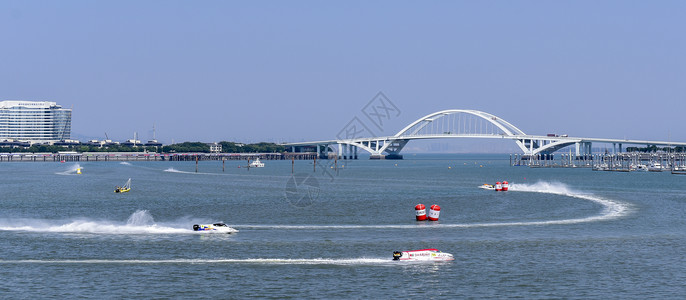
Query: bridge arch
{"points": [[453, 122], [464, 123]]}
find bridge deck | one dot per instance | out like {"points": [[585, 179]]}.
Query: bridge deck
{"points": [[458, 123]]}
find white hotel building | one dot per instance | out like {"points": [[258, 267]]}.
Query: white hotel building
{"points": [[34, 122]]}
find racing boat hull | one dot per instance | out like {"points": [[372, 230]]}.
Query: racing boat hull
{"points": [[214, 228], [487, 186], [422, 255]]}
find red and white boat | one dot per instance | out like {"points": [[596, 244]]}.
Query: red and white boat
{"points": [[422, 255]]}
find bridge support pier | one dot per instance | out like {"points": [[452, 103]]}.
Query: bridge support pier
{"points": [[345, 151], [325, 153], [394, 156], [583, 148]]}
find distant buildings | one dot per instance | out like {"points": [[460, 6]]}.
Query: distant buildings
{"points": [[34, 122], [215, 147], [25, 123], [132, 143]]}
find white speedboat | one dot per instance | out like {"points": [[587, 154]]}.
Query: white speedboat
{"points": [[422, 255], [256, 164], [487, 186], [214, 228]]}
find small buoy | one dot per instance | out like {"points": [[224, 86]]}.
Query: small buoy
{"points": [[449, 167], [506, 186], [434, 211], [498, 186], [420, 212]]}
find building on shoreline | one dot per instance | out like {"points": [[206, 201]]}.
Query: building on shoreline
{"points": [[34, 122]]}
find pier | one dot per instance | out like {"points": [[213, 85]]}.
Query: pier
{"points": [[141, 156], [621, 162]]}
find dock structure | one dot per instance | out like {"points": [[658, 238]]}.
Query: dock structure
{"points": [[620, 162], [140, 156]]}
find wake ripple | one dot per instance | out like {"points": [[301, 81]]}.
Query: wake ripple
{"points": [[140, 222], [172, 170], [611, 210], [261, 261]]}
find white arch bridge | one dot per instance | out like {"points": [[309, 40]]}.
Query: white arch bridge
{"points": [[461, 123]]}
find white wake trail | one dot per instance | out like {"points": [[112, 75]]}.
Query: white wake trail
{"points": [[261, 261], [71, 171], [140, 222], [172, 170], [612, 209]]}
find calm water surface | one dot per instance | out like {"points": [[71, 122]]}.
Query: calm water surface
{"points": [[559, 233]]}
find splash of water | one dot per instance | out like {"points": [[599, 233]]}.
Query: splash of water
{"points": [[140, 218], [71, 171], [557, 188], [140, 222]]}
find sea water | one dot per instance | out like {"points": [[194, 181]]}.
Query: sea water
{"points": [[328, 230]]}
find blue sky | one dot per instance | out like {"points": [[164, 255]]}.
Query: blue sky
{"points": [[300, 70]]}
